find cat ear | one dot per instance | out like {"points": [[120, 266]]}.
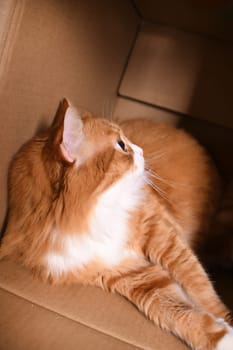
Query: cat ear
{"points": [[72, 136], [60, 113]]}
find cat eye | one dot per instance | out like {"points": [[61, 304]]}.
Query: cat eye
{"points": [[122, 145]]}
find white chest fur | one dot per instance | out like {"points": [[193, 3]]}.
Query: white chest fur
{"points": [[108, 234]]}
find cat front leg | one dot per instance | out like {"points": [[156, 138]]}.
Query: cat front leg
{"points": [[163, 301], [168, 249]]}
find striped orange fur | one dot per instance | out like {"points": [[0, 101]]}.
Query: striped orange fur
{"points": [[122, 207]]}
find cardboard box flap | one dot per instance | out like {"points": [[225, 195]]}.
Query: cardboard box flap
{"points": [[181, 72], [209, 17], [105, 312], [46, 329]]}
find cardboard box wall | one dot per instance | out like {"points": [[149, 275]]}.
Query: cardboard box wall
{"points": [[92, 53]]}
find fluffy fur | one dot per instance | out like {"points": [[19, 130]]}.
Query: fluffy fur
{"points": [[88, 205]]}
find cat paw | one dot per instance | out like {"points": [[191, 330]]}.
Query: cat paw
{"points": [[226, 343]]}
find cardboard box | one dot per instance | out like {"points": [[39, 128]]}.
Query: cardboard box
{"points": [[120, 58]]}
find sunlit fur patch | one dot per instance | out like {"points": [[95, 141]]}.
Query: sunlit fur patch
{"points": [[107, 234]]}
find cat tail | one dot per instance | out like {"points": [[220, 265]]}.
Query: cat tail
{"points": [[162, 300]]}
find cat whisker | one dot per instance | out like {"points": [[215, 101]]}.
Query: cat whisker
{"points": [[161, 192], [104, 109], [156, 156], [170, 183], [157, 188], [158, 177], [108, 110]]}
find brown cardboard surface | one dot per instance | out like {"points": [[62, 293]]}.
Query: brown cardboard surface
{"points": [[78, 49], [11, 12], [182, 72], [209, 17], [105, 312], [75, 49], [24, 325], [216, 139], [127, 108]]}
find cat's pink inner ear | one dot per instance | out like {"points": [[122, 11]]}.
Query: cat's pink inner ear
{"points": [[72, 134]]}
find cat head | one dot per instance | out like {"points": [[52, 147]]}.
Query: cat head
{"points": [[81, 140], [56, 179], [92, 152]]}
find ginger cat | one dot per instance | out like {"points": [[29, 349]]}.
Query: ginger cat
{"points": [[120, 207]]}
